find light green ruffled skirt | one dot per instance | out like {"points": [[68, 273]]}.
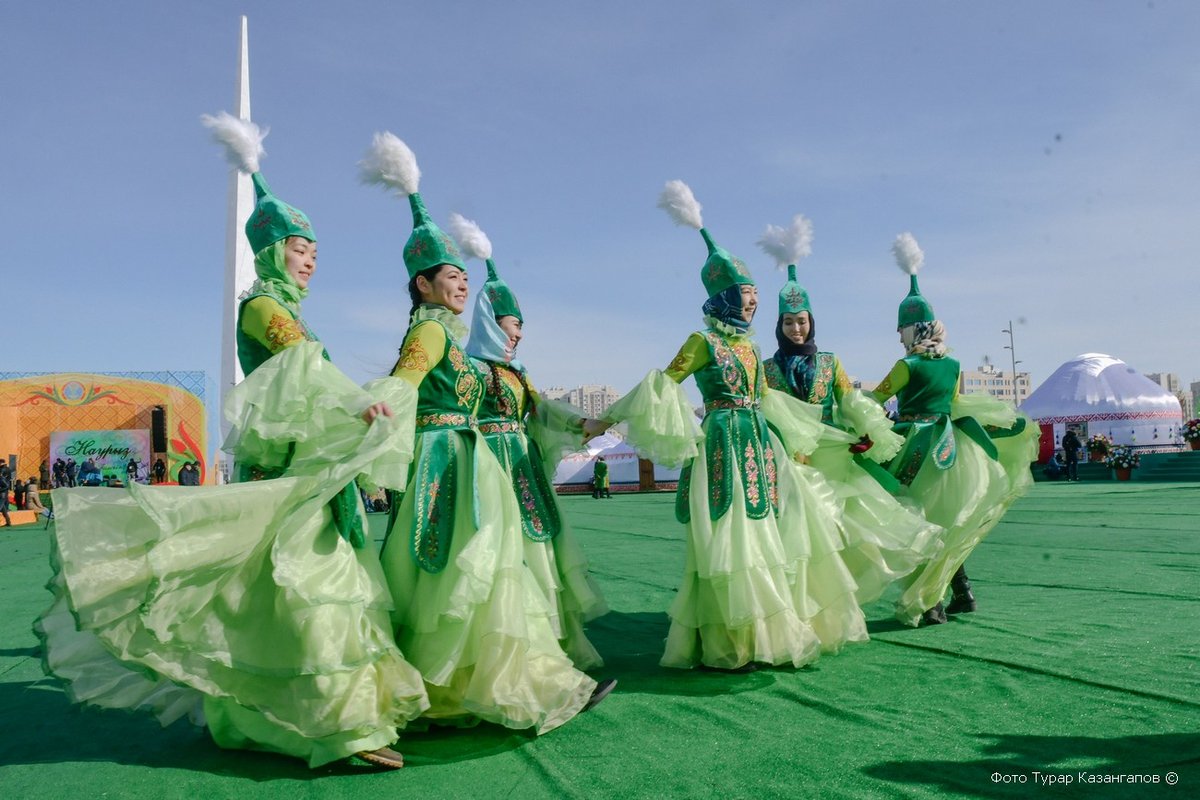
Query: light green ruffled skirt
{"points": [[242, 603], [967, 500], [480, 630]]}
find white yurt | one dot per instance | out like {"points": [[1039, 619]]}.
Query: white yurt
{"points": [[621, 458], [1099, 394]]}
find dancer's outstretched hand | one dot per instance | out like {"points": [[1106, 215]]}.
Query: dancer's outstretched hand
{"points": [[376, 410]]}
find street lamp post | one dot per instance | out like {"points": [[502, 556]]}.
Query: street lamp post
{"points": [[1011, 348]]}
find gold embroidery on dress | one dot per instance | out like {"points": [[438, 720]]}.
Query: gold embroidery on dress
{"points": [[467, 389], [512, 382], [283, 332], [413, 357], [745, 353]]}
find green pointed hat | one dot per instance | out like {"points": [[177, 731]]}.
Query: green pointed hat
{"points": [[722, 270], [274, 219], [792, 297], [504, 302], [429, 245], [914, 307]]}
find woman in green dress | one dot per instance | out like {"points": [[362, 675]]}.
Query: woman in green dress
{"points": [[257, 608], [469, 612], [737, 605], [883, 539], [965, 458], [528, 435]]}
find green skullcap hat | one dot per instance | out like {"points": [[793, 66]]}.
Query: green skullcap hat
{"points": [[914, 308], [504, 302], [429, 245], [792, 297], [274, 219], [722, 270]]}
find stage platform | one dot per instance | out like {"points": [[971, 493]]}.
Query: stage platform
{"points": [[1082, 664]]}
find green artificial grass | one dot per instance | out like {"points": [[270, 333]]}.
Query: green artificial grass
{"points": [[1081, 662]]}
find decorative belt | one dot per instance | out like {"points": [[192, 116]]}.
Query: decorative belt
{"points": [[509, 426], [434, 421], [730, 404], [921, 417]]}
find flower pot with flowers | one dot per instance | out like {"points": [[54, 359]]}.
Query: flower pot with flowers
{"points": [[1098, 447], [1191, 433], [1122, 460]]}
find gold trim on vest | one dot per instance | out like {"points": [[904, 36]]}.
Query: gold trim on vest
{"points": [[729, 403], [428, 421], [501, 427]]}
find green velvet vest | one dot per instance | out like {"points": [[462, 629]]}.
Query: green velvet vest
{"points": [[930, 387], [821, 392], [251, 352], [447, 407], [251, 355], [924, 408], [735, 433], [502, 423]]}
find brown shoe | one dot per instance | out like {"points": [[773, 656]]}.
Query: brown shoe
{"points": [[384, 757]]}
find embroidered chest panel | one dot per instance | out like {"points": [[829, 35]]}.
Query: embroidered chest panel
{"points": [[738, 364], [507, 392], [468, 383]]}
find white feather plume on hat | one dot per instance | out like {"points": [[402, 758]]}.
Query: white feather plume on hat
{"points": [[390, 163], [678, 201], [908, 254], [788, 245], [470, 237], [241, 138]]}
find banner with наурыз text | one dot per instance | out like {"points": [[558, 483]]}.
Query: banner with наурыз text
{"points": [[103, 455]]}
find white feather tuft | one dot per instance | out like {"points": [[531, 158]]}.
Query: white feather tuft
{"points": [[470, 237], [241, 138], [788, 245], [908, 254], [678, 201], [390, 163]]}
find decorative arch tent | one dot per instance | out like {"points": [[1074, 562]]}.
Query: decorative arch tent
{"points": [[1100, 394]]}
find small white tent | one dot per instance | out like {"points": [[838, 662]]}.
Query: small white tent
{"points": [[621, 458], [1110, 398]]}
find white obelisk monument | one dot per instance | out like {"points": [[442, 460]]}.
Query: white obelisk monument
{"points": [[239, 258]]}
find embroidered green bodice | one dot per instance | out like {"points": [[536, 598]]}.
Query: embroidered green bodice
{"points": [[449, 391], [828, 385], [449, 386], [932, 385], [506, 401], [729, 374], [925, 388], [266, 326]]}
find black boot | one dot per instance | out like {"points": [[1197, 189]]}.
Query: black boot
{"points": [[964, 601], [934, 616]]}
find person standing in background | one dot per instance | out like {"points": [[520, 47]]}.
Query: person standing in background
{"points": [[1071, 446]]}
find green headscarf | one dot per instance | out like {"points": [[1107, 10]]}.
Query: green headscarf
{"points": [[273, 278]]}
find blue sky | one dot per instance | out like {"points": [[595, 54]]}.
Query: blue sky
{"points": [[1043, 154]]}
